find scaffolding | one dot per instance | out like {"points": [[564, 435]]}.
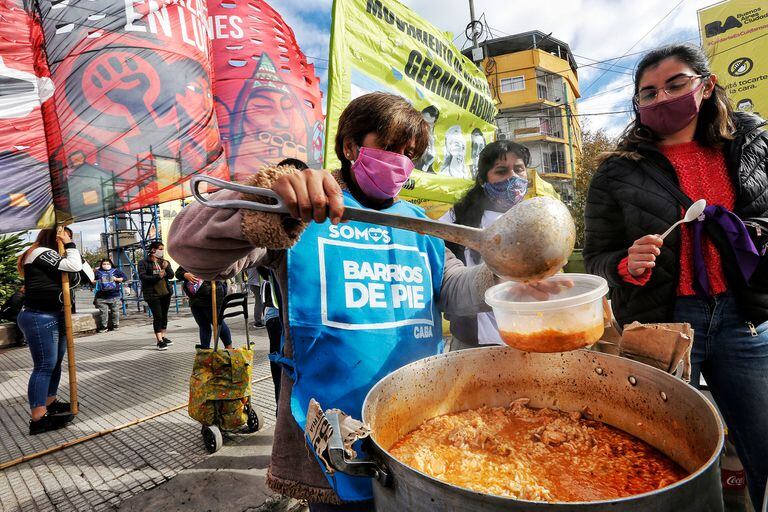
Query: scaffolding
{"points": [[134, 229]]}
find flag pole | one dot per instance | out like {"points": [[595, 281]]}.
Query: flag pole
{"points": [[215, 316], [67, 298]]}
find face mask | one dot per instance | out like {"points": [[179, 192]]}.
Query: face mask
{"points": [[671, 116], [381, 174], [106, 267], [159, 253], [503, 195]]}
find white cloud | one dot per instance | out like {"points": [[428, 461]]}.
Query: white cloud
{"points": [[594, 29]]}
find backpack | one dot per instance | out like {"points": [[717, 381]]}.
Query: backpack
{"points": [[106, 281]]}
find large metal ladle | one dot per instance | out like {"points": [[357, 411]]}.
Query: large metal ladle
{"points": [[530, 242]]}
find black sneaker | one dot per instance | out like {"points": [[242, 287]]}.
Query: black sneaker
{"points": [[167, 341], [162, 345], [101, 329], [49, 422], [58, 407], [110, 329]]}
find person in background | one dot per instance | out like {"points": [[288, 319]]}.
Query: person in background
{"points": [[201, 303], [10, 310], [42, 322], [155, 274], [272, 306], [501, 182], [107, 295], [686, 132], [254, 285]]}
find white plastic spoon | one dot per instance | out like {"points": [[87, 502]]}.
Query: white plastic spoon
{"points": [[693, 213]]}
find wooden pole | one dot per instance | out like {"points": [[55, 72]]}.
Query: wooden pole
{"points": [[215, 316], [71, 365], [26, 458]]}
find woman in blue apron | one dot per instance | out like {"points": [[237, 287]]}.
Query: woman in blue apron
{"points": [[359, 300]]}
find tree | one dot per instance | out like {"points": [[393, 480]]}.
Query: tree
{"points": [[10, 247], [594, 144], [92, 257]]}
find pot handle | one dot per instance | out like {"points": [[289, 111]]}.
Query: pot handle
{"points": [[338, 459]]}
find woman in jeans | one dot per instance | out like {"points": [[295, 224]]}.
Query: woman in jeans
{"points": [[686, 132], [155, 274], [42, 322], [201, 304]]}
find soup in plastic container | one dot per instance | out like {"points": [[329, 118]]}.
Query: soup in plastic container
{"points": [[570, 318]]}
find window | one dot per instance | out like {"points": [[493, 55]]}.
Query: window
{"points": [[516, 83], [549, 87]]}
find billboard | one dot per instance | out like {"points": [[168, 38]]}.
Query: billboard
{"points": [[734, 34], [268, 99], [381, 45], [133, 105]]}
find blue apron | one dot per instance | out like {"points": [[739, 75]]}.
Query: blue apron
{"points": [[362, 303]]}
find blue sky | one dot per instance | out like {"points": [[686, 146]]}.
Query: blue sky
{"points": [[594, 29]]}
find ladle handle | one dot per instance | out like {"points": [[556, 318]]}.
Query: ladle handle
{"points": [[463, 235]]}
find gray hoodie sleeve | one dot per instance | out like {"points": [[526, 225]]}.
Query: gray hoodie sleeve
{"points": [[463, 290], [209, 242]]}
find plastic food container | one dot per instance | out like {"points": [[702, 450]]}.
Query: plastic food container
{"points": [[569, 319]]}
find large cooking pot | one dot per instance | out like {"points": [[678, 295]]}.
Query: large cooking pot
{"points": [[643, 401]]}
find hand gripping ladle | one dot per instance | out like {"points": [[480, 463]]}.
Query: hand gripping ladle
{"points": [[530, 242]]}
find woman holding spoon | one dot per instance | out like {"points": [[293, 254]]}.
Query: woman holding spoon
{"points": [[686, 139]]}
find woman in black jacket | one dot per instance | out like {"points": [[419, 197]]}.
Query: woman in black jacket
{"points": [[155, 274], [42, 322], [686, 133], [201, 304]]}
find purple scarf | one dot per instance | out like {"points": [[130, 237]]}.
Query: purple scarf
{"points": [[747, 257]]}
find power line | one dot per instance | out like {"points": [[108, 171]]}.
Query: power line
{"points": [[673, 9], [610, 113]]}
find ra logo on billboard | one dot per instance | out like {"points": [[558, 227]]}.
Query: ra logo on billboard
{"points": [[718, 27]]}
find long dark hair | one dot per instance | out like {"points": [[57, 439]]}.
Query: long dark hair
{"points": [[102, 260], [715, 125], [470, 208], [45, 238]]}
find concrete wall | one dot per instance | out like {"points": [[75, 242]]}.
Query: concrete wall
{"points": [[81, 322]]}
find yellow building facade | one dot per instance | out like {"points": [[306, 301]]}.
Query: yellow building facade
{"points": [[534, 82]]}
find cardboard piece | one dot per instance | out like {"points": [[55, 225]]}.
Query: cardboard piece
{"points": [[663, 346]]}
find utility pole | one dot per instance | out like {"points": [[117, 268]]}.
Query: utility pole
{"points": [[472, 21]]}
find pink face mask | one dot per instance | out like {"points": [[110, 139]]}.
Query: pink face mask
{"points": [[671, 116], [381, 174]]}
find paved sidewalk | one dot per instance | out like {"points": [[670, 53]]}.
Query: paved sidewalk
{"points": [[121, 378], [231, 480]]}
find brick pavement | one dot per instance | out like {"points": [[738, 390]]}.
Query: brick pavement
{"points": [[121, 377]]}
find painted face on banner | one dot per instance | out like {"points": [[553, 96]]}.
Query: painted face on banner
{"points": [[270, 123]]}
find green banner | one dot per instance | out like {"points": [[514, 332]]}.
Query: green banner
{"points": [[380, 45]]}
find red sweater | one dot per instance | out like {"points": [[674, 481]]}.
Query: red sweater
{"points": [[702, 174]]}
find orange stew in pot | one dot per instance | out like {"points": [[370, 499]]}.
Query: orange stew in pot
{"points": [[535, 454]]}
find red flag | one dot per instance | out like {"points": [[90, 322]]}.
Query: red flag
{"points": [[134, 115], [268, 98], [25, 84]]}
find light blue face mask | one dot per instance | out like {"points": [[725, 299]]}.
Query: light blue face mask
{"points": [[503, 195]]}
